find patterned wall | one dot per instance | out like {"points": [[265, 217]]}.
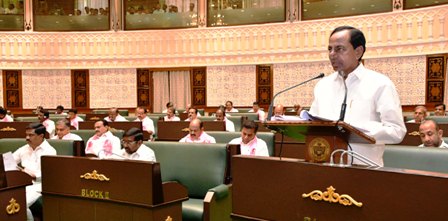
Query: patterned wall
{"points": [[407, 73], [235, 83], [47, 88], [2, 103], [287, 75], [113, 88]]}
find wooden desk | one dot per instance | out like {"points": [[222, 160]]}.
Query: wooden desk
{"points": [[175, 130], [75, 188], [13, 195], [13, 129], [412, 137], [272, 189]]}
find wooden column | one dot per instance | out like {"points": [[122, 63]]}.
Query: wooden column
{"points": [[12, 93], [264, 85], [80, 89], [144, 85], [198, 77]]}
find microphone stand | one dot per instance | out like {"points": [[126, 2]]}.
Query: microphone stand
{"points": [[321, 75]]}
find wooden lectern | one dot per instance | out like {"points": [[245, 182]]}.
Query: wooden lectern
{"points": [[75, 188], [12, 194], [321, 137]]}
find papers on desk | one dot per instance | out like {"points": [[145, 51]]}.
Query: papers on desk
{"points": [[9, 162], [286, 118]]}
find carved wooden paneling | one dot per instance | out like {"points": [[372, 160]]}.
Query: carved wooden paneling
{"points": [[12, 84], [198, 85], [264, 85], [144, 84], [80, 89], [435, 79]]}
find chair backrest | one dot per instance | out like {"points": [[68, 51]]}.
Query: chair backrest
{"points": [[226, 137], [122, 112], [250, 116], [27, 119], [198, 167], [417, 158], [237, 121], [63, 147], [439, 119]]}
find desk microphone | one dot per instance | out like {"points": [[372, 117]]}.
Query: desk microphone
{"points": [[321, 75], [344, 103]]}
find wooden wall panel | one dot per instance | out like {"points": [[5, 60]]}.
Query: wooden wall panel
{"points": [[435, 79], [144, 85], [198, 85], [12, 89], [264, 85], [80, 89]]}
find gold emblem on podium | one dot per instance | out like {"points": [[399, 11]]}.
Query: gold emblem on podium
{"points": [[414, 133], [94, 176], [13, 207], [332, 197], [169, 218], [318, 149]]}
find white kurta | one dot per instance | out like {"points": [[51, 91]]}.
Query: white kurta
{"points": [[372, 105]]}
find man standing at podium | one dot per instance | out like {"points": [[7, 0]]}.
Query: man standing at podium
{"points": [[372, 102]]}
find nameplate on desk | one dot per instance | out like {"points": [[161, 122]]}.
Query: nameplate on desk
{"points": [[97, 194]]}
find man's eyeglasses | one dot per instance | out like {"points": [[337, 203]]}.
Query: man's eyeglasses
{"points": [[124, 142]]}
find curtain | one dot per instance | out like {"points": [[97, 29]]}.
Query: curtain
{"points": [[161, 90], [180, 92]]}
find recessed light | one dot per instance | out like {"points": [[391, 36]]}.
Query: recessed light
{"points": [[373, 6], [353, 9]]}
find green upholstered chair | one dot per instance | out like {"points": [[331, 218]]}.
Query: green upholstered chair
{"points": [[63, 147], [27, 119], [226, 137], [243, 110], [237, 121], [122, 112], [439, 119], [416, 158], [130, 118], [201, 169], [250, 116], [207, 118]]}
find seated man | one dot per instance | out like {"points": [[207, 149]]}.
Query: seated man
{"points": [[103, 143], [250, 143], [279, 112], [168, 105], [431, 135], [439, 110], [74, 118], [419, 114], [29, 157], [44, 118], [192, 114], [256, 109], [230, 126], [114, 116], [133, 147], [197, 134], [4, 117], [63, 131], [170, 115], [147, 123], [60, 110], [230, 108], [188, 108]]}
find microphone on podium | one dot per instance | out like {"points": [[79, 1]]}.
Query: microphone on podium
{"points": [[321, 75]]}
